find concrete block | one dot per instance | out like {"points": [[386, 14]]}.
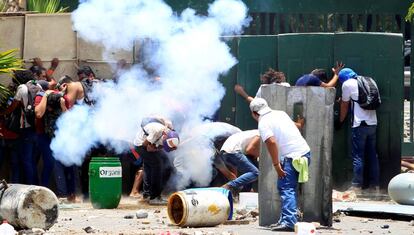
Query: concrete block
{"points": [[315, 104]]}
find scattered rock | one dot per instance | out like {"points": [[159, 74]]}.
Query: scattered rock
{"points": [[364, 221], [370, 219], [254, 213], [241, 217], [336, 220], [145, 222], [141, 214], [385, 226], [241, 212], [89, 229], [128, 216], [411, 223], [157, 211]]}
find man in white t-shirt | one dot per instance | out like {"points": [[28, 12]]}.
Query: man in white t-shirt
{"points": [[234, 153], [364, 125], [284, 143], [155, 136]]}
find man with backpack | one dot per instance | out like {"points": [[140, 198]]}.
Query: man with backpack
{"points": [[360, 94], [22, 108]]}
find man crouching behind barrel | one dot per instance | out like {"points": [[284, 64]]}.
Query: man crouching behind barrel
{"points": [[289, 152], [155, 136]]}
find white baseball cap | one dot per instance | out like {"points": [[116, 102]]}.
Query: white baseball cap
{"points": [[260, 106]]}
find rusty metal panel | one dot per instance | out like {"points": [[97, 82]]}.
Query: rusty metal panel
{"points": [[48, 36], [11, 33]]}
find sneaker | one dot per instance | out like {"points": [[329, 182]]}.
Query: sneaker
{"points": [[157, 201], [274, 225], [282, 228]]}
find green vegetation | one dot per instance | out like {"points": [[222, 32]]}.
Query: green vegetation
{"points": [[8, 63], [45, 6], [410, 14], [3, 5]]}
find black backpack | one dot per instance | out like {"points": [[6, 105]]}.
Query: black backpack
{"points": [[29, 111], [52, 113], [368, 93]]}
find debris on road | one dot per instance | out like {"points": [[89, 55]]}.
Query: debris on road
{"points": [[142, 214], [90, 229]]}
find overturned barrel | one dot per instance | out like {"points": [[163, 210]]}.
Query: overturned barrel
{"points": [[200, 207], [28, 206]]}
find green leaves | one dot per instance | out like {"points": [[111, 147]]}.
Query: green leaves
{"points": [[410, 14], [9, 62], [3, 5], [45, 6]]}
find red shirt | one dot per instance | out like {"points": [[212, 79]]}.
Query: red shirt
{"points": [[39, 123]]}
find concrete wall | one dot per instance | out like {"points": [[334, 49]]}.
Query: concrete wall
{"points": [[51, 35], [315, 196]]}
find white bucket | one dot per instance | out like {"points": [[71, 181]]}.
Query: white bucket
{"points": [[248, 200], [302, 228]]}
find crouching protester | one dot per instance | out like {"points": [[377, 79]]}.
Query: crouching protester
{"points": [[240, 151], [289, 151], [155, 137]]}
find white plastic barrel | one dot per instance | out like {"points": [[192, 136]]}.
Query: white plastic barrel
{"points": [[401, 188], [28, 206], [200, 207]]}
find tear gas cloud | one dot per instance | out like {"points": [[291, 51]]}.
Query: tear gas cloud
{"points": [[185, 51]]}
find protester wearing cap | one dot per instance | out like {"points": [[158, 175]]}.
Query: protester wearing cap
{"points": [[284, 144], [364, 125], [155, 137]]}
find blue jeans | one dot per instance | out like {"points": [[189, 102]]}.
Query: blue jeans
{"points": [[244, 166], [287, 191], [65, 179], [364, 141], [28, 142], [43, 144], [10, 146]]}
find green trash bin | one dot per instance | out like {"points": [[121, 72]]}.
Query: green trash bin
{"points": [[105, 182]]}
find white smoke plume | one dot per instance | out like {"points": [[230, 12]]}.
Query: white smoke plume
{"points": [[186, 51]]}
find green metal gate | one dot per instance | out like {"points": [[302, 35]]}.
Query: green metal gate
{"points": [[298, 54], [366, 53]]}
